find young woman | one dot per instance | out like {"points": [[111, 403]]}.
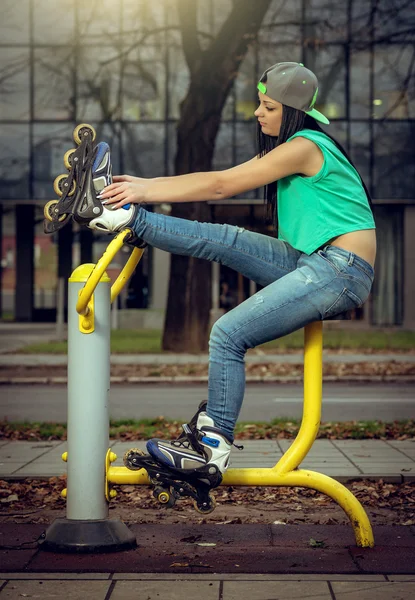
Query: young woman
{"points": [[321, 263]]}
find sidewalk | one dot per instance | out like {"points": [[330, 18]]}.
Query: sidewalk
{"points": [[216, 562], [392, 461], [110, 585]]}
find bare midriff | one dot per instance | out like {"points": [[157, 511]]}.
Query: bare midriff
{"points": [[362, 243]]}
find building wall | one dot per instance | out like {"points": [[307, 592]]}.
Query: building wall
{"points": [[67, 62]]}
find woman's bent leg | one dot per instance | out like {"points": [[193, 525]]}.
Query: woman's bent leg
{"points": [[258, 257], [307, 294]]}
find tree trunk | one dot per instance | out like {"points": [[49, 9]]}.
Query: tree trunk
{"points": [[212, 75]]}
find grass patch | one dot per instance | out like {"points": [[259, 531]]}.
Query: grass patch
{"points": [[123, 341], [148, 341], [347, 339], [281, 428]]}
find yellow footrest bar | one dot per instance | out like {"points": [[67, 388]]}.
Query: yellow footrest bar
{"points": [[269, 477]]}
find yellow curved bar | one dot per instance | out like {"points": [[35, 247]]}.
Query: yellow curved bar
{"points": [[313, 393], [126, 273], [95, 276], [268, 477]]}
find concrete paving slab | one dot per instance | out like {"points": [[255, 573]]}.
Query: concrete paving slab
{"points": [[71, 590], [177, 590], [238, 590], [240, 577], [69, 576], [44, 459], [343, 590]]}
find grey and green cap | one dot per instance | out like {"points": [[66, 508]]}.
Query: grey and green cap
{"points": [[293, 85]]}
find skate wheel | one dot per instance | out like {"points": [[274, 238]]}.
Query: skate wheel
{"points": [[83, 130], [48, 211], [129, 455], [205, 509], [60, 185], [68, 160], [164, 496]]}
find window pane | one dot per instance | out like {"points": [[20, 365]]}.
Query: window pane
{"points": [[144, 79], [222, 158], [220, 12], [245, 88], [394, 93], [282, 23], [14, 161], [143, 149], [361, 12], [50, 142], [360, 85], [97, 20], [14, 84], [54, 23], [329, 66], [14, 23], [395, 20], [270, 54], [140, 14], [394, 172], [99, 91], [54, 77], [326, 20], [171, 147], [245, 141], [245, 150], [360, 149]]}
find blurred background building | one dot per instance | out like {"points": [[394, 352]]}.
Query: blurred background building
{"points": [[119, 66]]}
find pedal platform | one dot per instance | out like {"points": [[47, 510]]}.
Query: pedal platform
{"points": [[169, 484]]}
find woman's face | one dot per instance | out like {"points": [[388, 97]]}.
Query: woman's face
{"points": [[269, 115]]}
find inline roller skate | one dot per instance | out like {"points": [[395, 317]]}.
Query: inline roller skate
{"points": [[189, 466], [89, 171]]}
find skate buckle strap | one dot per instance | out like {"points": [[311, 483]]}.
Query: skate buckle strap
{"points": [[186, 429], [190, 439]]}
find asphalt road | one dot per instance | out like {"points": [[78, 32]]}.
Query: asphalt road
{"points": [[263, 402]]}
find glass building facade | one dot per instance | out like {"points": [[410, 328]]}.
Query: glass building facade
{"points": [[119, 65]]}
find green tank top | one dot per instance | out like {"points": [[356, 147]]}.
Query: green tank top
{"points": [[313, 210]]}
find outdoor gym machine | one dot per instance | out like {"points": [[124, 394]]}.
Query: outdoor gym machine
{"points": [[90, 473]]}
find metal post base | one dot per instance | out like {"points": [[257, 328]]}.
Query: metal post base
{"points": [[70, 535]]}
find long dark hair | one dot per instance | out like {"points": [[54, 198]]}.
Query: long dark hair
{"points": [[293, 120]]}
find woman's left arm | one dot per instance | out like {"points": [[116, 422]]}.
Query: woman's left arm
{"points": [[287, 159]]}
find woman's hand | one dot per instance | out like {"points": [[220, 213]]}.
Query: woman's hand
{"points": [[124, 190]]}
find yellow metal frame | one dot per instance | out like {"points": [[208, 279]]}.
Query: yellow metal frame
{"points": [[83, 306], [286, 472]]}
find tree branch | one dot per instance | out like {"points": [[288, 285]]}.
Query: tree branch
{"points": [[188, 26]]}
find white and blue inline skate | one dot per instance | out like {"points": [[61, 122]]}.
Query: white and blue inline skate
{"points": [[189, 466], [89, 172]]}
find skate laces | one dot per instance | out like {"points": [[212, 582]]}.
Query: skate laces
{"points": [[188, 440]]}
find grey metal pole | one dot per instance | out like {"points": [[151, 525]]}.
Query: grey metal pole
{"points": [[88, 396], [87, 527]]}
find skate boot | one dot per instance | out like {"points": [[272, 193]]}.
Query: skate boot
{"points": [[198, 447], [90, 171], [190, 466]]}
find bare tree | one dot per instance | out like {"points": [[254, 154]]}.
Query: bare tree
{"points": [[212, 72]]}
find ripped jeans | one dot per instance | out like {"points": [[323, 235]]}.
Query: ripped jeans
{"points": [[298, 289]]}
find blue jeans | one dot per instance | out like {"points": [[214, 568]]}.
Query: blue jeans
{"points": [[298, 289]]}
